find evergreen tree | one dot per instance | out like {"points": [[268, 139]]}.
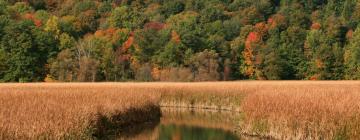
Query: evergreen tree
{"points": [[352, 57]]}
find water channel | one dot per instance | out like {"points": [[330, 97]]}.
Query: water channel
{"points": [[185, 124]]}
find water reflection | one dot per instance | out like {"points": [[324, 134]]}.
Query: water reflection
{"points": [[184, 124], [184, 132]]}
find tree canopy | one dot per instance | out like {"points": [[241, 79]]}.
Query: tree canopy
{"points": [[179, 40]]}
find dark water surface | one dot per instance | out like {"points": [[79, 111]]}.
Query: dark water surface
{"points": [[188, 132], [181, 124]]}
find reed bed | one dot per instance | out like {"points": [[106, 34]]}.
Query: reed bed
{"points": [[224, 120], [276, 109], [304, 110], [65, 111]]}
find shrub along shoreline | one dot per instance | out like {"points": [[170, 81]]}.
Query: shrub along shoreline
{"points": [[278, 110]]}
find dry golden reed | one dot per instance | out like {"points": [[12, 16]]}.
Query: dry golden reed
{"points": [[304, 110], [278, 109], [63, 110]]}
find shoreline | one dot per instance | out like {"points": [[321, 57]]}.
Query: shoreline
{"points": [[283, 110]]}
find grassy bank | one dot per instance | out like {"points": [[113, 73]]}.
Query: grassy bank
{"points": [[78, 111], [214, 96], [279, 109], [282, 110], [304, 110]]}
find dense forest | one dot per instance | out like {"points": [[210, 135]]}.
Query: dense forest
{"points": [[179, 40]]}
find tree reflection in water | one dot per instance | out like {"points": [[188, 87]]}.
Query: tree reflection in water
{"points": [[184, 124]]}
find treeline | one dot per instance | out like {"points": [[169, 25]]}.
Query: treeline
{"points": [[178, 40]]}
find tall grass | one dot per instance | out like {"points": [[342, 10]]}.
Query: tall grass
{"points": [[283, 110], [304, 110], [35, 111]]}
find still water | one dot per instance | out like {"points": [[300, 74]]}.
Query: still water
{"points": [[188, 132], [184, 124]]}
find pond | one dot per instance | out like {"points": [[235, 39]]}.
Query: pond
{"points": [[185, 124]]}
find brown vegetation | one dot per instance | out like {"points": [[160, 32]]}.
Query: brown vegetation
{"points": [[279, 109], [304, 110], [226, 120], [283, 110], [71, 110]]}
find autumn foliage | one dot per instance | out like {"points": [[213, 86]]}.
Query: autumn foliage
{"points": [[154, 25], [37, 22], [316, 26], [254, 39], [276, 20], [175, 37], [252, 44]]}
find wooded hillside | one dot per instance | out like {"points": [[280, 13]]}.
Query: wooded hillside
{"points": [[178, 40]]}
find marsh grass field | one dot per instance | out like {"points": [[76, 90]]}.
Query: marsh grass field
{"points": [[271, 109]]}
